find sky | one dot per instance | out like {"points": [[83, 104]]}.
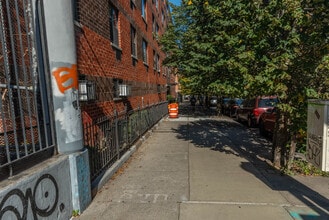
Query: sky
{"points": [[176, 2]]}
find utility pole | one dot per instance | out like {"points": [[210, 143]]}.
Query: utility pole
{"points": [[60, 37], [61, 47]]}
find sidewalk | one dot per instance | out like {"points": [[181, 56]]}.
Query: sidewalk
{"points": [[194, 168]]}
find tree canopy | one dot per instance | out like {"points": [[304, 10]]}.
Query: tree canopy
{"points": [[245, 48]]}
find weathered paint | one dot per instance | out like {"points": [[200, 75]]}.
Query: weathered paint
{"points": [[300, 214], [67, 113], [80, 179], [318, 133], [43, 194], [64, 76]]}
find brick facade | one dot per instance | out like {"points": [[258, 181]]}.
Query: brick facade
{"points": [[108, 64]]}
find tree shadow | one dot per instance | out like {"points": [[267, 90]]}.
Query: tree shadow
{"points": [[227, 136]]}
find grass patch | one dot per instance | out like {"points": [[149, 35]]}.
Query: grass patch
{"points": [[303, 167]]}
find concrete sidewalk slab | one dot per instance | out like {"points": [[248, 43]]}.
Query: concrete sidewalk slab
{"points": [[213, 211], [133, 211], [218, 176]]}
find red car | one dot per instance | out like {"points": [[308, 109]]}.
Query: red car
{"points": [[232, 107], [251, 109], [267, 121]]}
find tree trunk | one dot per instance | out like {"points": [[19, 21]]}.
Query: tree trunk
{"points": [[276, 149], [280, 140], [292, 151]]}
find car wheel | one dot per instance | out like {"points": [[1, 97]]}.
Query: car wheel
{"points": [[238, 118], [262, 130], [234, 114]]}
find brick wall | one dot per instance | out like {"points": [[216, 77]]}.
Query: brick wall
{"points": [[102, 63]]}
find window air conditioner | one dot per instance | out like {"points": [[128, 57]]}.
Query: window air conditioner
{"points": [[124, 90]]}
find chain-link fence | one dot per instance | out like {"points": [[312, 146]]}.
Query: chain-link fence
{"points": [[110, 137], [25, 119]]}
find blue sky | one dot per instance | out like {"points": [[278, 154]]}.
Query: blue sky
{"points": [[176, 2]]}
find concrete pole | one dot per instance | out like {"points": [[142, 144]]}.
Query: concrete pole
{"points": [[64, 76], [61, 47]]}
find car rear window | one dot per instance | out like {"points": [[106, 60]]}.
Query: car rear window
{"points": [[238, 101], [269, 102]]}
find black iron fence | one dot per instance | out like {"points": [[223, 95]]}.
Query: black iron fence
{"points": [[26, 127], [26, 121], [110, 137]]}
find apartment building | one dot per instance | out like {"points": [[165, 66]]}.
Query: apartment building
{"points": [[119, 56]]}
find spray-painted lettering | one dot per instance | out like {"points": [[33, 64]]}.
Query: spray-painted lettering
{"points": [[144, 198], [66, 78], [43, 200], [314, 149]]}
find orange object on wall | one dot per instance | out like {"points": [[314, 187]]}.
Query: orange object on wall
{"points": [[173, 110], [66, 78]]}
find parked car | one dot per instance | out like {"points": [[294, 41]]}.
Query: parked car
{"points": [[232, 107], [213, 101], [193, 100], [251, 109], [267, 122], [224, 104]]}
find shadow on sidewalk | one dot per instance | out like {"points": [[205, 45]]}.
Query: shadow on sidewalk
{"points": [[230, 137]]}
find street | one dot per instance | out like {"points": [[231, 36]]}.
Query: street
{"points": [[202, 166]]}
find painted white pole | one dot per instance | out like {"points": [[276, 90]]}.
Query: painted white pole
{"points": [[61, 47], [59, 28]]}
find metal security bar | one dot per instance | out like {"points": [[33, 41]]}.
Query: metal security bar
{"points": [[25, 119], [110, 137]]}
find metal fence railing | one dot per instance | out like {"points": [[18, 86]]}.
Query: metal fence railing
{"points": [[25, 119], [110, 137]]}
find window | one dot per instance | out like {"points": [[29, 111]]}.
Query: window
{"points": [[144, 9], [154, 60], [157, 30], [158, 63], [114, 33], [116, 87], [144, 48], [153, 23], [133, 42], [120, 89]]}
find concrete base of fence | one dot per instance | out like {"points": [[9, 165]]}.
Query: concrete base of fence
{"points": [[41, 192], [80, 180]]}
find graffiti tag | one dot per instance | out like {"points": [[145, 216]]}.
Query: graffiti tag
{"points": [[43, 200], [66, 78], [144, 198], [314, 152]]}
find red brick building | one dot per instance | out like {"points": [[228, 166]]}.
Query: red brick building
{"points": [[119, 54]]}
